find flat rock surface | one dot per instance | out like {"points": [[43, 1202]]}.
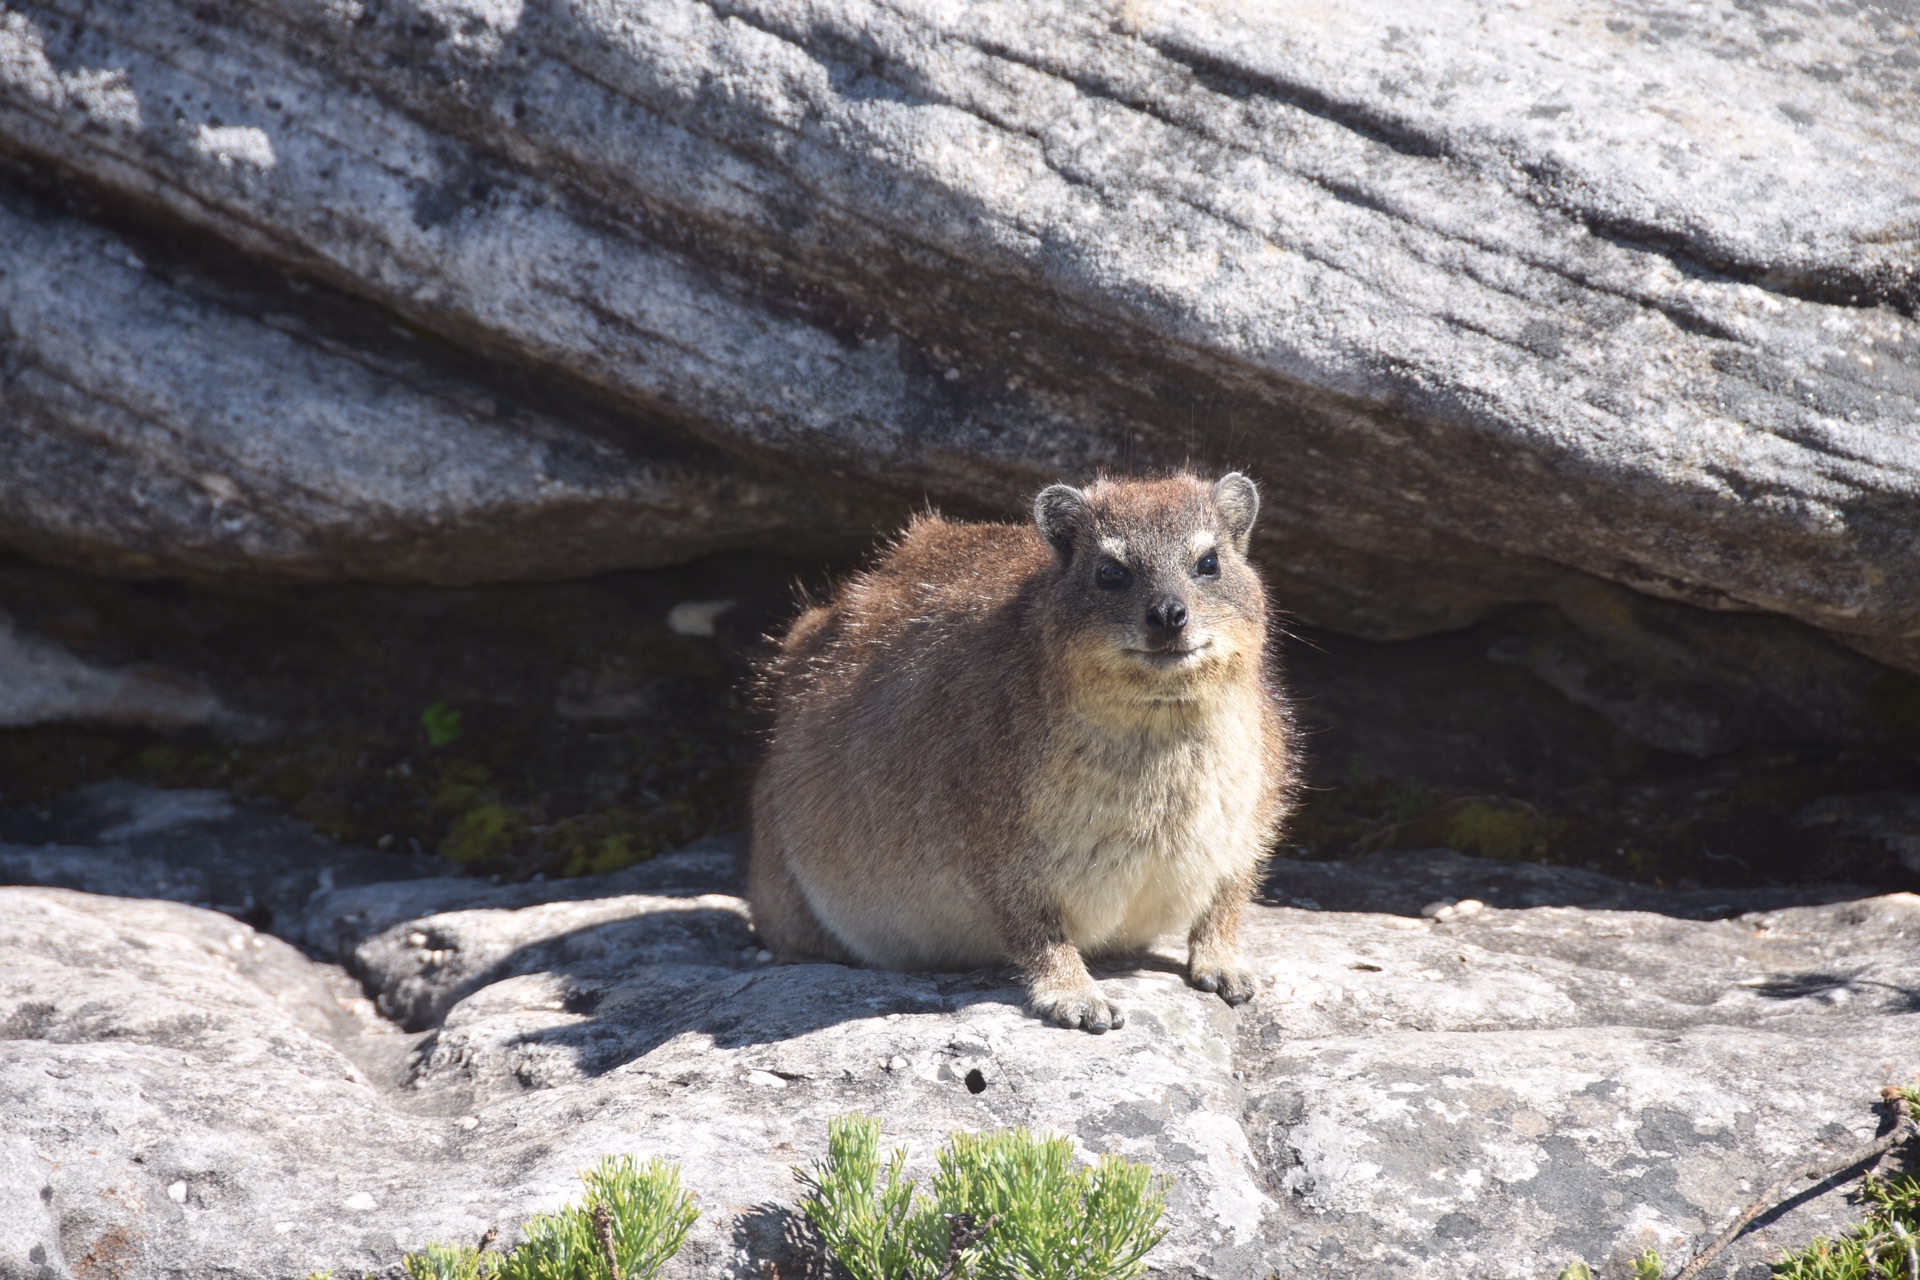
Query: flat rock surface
{"points": [[1583, 1068]]}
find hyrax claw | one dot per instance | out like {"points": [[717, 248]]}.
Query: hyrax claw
{"points": [[1087, 1010], [1233, 984]]}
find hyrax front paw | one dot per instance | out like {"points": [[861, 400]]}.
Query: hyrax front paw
{"points": [[1229, 979], [1077, 1006]]}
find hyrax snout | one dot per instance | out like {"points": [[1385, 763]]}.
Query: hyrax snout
{"points": [[1031, 743]]}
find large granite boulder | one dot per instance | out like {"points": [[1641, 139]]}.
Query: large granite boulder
{"points": [[1581, 1069], [1496, 300]]}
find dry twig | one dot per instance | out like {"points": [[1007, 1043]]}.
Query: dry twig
{"points": [[603, 1232], [1817, 1171], [1913, 1252]]}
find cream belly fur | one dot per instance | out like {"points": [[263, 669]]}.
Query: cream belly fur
{"points": [[1137, 849], [931, 921], [1134, 849]]}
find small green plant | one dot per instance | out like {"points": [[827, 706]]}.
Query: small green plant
{"points": [[450, 1262], [1645, 1267], [890, 1235], [1005, 1206], [442, 724], [634, 1219], [645, 1221], [1493, 831], [1884, 1247], [484, 833]]}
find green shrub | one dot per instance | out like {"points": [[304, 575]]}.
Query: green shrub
{"points": [[487, 832], [645, 1213], [649, 1216], [1877, 1249], [1005, 1206], [876, 1237]]}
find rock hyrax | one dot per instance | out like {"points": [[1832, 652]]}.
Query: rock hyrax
{"points": [[1031, 743]]}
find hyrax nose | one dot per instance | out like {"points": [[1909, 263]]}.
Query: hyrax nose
{"points": [[1166, 614]]}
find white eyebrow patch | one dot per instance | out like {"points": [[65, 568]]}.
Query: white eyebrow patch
{"points": [[1202, 542], [1115, 547]]}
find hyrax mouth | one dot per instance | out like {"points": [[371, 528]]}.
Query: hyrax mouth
{"points": [[1173, 654]]}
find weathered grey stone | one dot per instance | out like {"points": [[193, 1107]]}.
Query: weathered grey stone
{"points": [[190, 846], [1496, 300], [1490, 1096], [160, 419], [40, 682]]}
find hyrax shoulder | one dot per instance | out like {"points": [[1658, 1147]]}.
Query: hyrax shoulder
{"points": [[1031, 743]]}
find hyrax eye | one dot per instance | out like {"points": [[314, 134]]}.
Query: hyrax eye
{"points": [[1209, 566], [1114, 577]]}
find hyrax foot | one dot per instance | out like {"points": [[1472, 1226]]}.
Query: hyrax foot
{"points": [[1229, 979], [1081, 1006]]}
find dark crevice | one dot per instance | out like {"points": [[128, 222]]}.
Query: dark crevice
{"points": [[1681, 316], [1351, 193], [1832, 286], [1104, 90], [1233, 80]]}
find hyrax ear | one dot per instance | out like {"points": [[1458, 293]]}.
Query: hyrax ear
{"points": [[1059, 512], [1238, 502]]}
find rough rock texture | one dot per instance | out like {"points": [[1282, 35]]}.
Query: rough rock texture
{"points": [[188, 846], [1583, 1068], [41, 682], [1497, 299]]}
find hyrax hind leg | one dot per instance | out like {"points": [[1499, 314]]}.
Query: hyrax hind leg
{"points": [[785, 920], [1213, 945]]}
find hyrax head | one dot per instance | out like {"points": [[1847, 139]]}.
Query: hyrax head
{"points": [[1151, 583]]}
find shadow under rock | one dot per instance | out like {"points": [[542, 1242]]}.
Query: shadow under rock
{"points": [[624, 986], [130, 840], [1401, 883], [618, 1014]]}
